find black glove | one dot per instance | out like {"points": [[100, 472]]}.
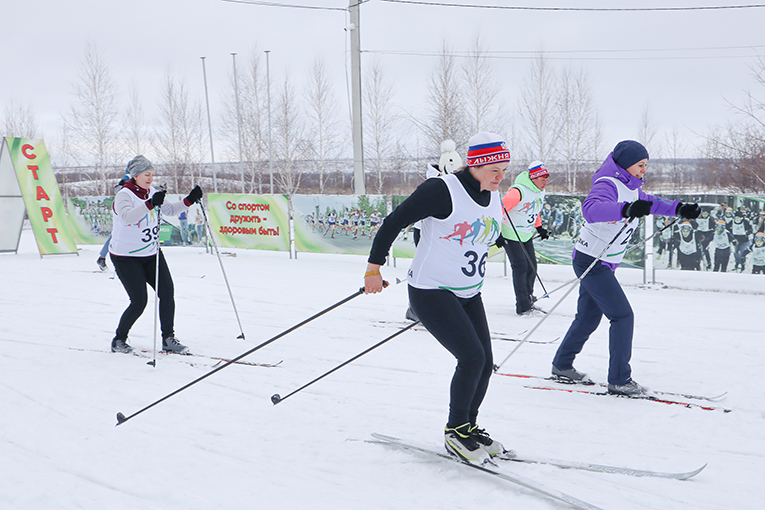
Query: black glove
{"points": [[637, 209], [500, 242], [195, 195], [156, 199], [543, 233], [688, 211]]}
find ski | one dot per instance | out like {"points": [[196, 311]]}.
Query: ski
{"points": [[144, 353], [599, 468], [512, 478], [715, 398], [650, 398], [494, 336]]}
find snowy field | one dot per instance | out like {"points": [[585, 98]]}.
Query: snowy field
{"points": [[222, 444]]}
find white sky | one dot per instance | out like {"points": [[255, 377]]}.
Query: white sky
{"points": [[44, 41]]}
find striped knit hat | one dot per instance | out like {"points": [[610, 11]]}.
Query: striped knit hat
{"points": [[486, 148], [537, 169]]}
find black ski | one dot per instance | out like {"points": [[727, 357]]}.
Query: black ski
{"points": [[488, 469]]}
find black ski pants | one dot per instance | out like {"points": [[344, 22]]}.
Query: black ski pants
{"points": [[523, 261], [460, 326], [135, 273]]}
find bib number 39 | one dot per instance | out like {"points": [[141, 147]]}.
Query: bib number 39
{"points": [[150, 233], [471, 268]]}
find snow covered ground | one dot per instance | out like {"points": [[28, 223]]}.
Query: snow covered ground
{"points": [[222, 444]]}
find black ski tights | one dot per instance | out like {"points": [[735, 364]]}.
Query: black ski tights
{"points": [[460, 326], [135, 273]]}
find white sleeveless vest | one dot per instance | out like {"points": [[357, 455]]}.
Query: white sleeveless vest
{"points": [[525, 216], [137, 239], [688, 246], [758, 255], [594, 237], [721, 240], [452, 252]]}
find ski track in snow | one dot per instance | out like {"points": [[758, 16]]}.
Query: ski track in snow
{"points": [[222, 444]]}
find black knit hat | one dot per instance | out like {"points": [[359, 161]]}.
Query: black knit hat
{"points": [[629, 152]]}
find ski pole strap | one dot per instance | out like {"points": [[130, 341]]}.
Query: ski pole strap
{"points": [[371, 273]]}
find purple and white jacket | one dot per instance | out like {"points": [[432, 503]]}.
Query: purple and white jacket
{"points": [[612, 187]]}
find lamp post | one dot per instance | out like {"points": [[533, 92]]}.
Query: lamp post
{"points": [[209, 127], [239, 121], [270, 146]]}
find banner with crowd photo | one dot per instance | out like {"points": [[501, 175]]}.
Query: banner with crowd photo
{"points": [[337, 223], [90, 219], [259, 222], [728, 236], [39, 189]]}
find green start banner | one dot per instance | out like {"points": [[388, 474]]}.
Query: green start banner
{"points": [[259, 222], [42, 198]]}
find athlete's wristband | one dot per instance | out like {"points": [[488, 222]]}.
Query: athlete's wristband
{"points": [[371, 273]]}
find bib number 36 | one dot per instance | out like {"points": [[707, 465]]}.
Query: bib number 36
{"points": [[471, 267]]}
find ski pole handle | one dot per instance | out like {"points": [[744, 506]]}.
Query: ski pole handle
{"points": [[385, 284]]}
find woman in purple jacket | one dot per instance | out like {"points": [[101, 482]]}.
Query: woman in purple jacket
{"points": [[614, 200]]}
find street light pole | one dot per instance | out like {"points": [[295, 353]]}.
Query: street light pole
{"points": [[270, 146], [209, 127], [359, 186], [239, 121]]}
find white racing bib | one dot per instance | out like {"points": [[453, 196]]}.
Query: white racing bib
{"points": [[452, 253], [594, 237], [137, 239]]}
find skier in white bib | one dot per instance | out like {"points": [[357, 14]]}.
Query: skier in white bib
{"points": [[134, 248], [446, 276]]}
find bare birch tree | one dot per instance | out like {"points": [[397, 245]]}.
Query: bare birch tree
{"points": [[579, 134], [538, 110], [445, 103], [289, 142], [323, 124], [253, 109], [647, 132], [135, 133], [20, 121], [379, 122], [180, 137], [92, 119], [483, 111]]}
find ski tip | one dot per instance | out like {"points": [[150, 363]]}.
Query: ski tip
{"points": [[276, 398], [691, 474], [120, 419]]}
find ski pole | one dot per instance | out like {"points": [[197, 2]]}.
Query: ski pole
{"points": [[275, 398], [121, 418], [158, 208], [578, 280], [528, 257], [223, 270], [153, 361]]}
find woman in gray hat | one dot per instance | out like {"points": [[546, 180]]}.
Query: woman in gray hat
{"points": [[134, 248]]}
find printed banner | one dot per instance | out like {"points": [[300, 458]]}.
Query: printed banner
{"points": [[337, 223], [258, 222], [42, 198], [91, 219], [728, 236]]}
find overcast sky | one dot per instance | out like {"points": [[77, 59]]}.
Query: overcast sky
{"points": [[683, 66]]}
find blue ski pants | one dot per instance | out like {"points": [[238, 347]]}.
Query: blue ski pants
{"points": [[599, 294]]}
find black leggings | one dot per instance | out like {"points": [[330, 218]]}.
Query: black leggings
{"points": [[135, 273], [524, 272], [460, 326]]}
